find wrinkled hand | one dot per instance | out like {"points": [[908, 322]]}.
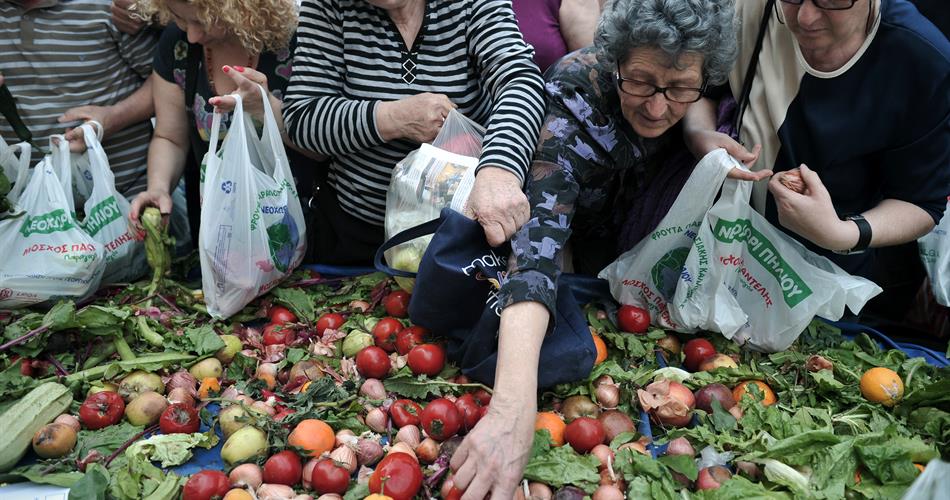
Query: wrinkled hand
{"points": [[420, 117], [151, 198], [493, 456], [498, 203], [812, 214], [101, 114], [247, 80], [702, 142], [122, 17]]}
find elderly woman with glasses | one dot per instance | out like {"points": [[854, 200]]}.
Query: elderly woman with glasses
{"points": [[610, 127], [857, 94]]}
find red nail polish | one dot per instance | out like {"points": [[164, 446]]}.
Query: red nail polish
{"points": [[226, 69], [239, 68]]}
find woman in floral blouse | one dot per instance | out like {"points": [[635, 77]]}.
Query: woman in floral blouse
{"points": [[605, 146], [210, 49]]}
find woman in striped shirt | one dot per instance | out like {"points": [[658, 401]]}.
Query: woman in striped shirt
{"points": [[374, 78]]}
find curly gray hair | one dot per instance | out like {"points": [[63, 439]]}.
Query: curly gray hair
{"points": [[704, 27]]}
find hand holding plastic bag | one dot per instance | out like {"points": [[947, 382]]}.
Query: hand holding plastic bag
{"points": [[935, 254], [252, 232], [429, 179], [47, 255]]}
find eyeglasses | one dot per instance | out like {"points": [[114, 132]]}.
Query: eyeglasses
{"points": [[826, 4], [682, 95]]}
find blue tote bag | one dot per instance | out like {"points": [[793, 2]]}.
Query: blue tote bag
{"points": [[455, 296]]}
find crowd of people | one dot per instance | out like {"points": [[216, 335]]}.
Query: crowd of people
{"points": [[577, 165]]}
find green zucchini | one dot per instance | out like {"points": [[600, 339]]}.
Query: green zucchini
{"points": [[21, 421]]}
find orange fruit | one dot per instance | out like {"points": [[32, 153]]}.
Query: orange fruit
{"points": [[238, 494], [313, 436], [920, 467], [882, 385], [553, 423], [208, 384], [768, 396], [601, 348]]}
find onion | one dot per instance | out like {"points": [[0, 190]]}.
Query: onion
{"points": [[346, 457], [736, 412], [68, 420], [247, 475], [714, 392], [680, 446], [603, 453], [308, 497], [669, 402], [308, 472], [182, 396], [230, 394], [360, 305], [275, 492], [368, 452], [410, 435], [570, 493], [427, 450], [328, 496], [635, 446], [607, 395], [615, 423], [377, 420], [346, 437], [608, 492], [263, 407], [373, 389], [579, 406], [403, 448], [816, 363], [604, 380], [748, 469], [182, 378]]}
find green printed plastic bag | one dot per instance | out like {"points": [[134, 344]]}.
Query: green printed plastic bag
{"points": [[752, 282], [252, 232], [647, 275]]}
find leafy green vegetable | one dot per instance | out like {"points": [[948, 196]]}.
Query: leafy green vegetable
{"points": [[93, 484], [297, 301], [562, 466], [171, 449]]}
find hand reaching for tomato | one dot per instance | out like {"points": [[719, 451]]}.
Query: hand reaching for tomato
{"points": [[493, 456]]}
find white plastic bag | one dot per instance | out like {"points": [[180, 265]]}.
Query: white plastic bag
{"points": [[932, 484], [647, 275], [426, 181], [934, 250], [252, 230], [107, 213], [15, 162], [47, 256], [741, 276]]}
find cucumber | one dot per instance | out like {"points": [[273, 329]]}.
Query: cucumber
{"points": [[21, 421]]}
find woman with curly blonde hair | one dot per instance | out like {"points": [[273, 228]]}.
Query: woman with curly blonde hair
{"points": [[210, 49]]}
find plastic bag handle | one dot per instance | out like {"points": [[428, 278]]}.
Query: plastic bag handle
{"points": [[23, 170], [424, 229]]}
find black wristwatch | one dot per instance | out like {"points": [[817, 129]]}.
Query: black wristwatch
{"points": [[864, 234]]}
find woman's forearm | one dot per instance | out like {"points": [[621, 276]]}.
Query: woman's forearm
{"points": [[166, 162], [522, 330]]}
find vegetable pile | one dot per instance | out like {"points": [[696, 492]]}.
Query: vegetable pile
{"points": [[323, 388]]}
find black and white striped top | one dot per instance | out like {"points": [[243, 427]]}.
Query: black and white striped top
{"points": [[350, 56], [64, 54]]}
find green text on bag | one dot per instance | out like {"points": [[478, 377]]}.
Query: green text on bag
{"points": [[794, 289], [57, 220], [101, 215]]}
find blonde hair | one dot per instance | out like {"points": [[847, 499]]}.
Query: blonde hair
{"points": [[259, 24]]}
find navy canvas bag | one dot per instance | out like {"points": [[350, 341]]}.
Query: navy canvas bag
{"points": [[455, 296]]}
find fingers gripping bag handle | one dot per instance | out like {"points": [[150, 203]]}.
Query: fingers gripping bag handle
{"points": [[212, 159]]}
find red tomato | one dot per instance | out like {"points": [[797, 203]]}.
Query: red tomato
{"points": [[397, 304], [179, 419], [373, 362], [401, 475], [470, 409], [584, 433], [482, 396], [101, 409], [26, 368], [426, 359], [283, 468], [275, 334], [696, 351], [281, 315], [328, 477], [409, 338], [405, 412], [633, 319], [206, 485], [332, 321], [441, 419], [384, 333]]}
